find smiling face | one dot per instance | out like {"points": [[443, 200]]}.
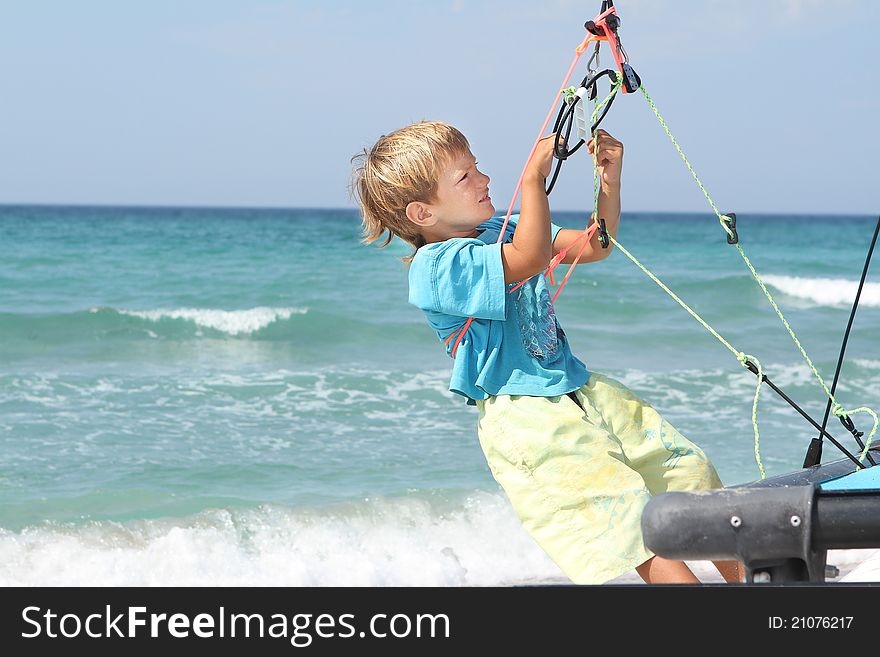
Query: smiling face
{"points": [[461, 201]]}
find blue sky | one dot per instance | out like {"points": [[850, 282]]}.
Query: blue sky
{"points": [[262, 103]]}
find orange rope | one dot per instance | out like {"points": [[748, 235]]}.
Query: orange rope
{"points": [[578, 52]]}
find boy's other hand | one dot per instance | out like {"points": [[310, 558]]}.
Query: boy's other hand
{"points": [[542, 160], [609, 158]]}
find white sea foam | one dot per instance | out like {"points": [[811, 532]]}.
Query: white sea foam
{"points": [[377, 542], [232, 322], [865, 569], [825, 291]]}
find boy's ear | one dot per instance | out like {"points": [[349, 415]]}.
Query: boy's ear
{"points": [[418, 213]]}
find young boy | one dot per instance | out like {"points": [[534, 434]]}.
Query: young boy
{"points": [[577, 453]]}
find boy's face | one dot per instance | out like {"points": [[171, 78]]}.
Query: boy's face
{"points": [[462, 201]]}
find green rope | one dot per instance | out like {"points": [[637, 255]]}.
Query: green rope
{"points": [[840, 412], [838, 408], [615, 87], [743, 358], [740, 356], [569, 93], [687, 164]]}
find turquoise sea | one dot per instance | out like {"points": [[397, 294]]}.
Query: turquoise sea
{"points": [[234, 396]]}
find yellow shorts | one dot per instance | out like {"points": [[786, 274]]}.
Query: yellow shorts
{"points": [[579, 478]]}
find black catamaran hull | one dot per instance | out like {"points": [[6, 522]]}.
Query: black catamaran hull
{"points": [[780, 528]]}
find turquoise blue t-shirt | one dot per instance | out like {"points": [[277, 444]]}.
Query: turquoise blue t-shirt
{"points": [[515, 345]]}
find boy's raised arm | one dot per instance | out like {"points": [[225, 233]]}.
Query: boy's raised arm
{"points": [[531, 250]]}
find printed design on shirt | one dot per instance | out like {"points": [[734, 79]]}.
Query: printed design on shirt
{"points": [[537, 321], [676, 453]]}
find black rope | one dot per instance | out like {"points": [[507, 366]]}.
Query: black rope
{"points": [[814, 453], [565, 121], [754, 370]]}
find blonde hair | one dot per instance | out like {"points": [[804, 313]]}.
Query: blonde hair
{"points": [[400, 168]]}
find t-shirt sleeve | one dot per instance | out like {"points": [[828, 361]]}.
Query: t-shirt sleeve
{"points": [[461, 277]]}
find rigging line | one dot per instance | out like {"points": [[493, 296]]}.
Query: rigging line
{"points": [[837, 408], [815, 424], [846, 338], [740, 356], [744, 359]]}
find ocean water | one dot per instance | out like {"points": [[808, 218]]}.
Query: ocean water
{"points": [[229, 396]]}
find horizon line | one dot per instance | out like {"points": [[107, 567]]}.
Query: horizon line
{"points": [[355, 210]]}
